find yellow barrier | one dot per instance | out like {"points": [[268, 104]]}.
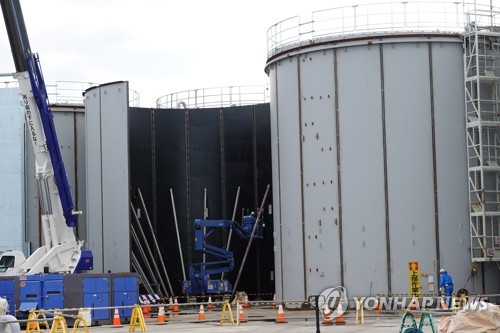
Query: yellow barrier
{"points": [[32, 326], [227, 314], [59, 324], [41, 313], [360, 316], [79, 319], [137, 320]]}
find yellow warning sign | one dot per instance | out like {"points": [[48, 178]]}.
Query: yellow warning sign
{"points": [[414, 278]]}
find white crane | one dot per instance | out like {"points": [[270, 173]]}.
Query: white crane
{"points": [[62, 252]]}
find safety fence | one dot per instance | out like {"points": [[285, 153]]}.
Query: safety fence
{"points": [[215, 97], [239, 311], [72, 93], [386, 17]]}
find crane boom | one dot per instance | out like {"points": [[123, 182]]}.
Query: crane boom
{"points": [[61, 251]]}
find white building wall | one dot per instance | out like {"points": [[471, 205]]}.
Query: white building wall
{"points": [[107, 177], [11, 170]]}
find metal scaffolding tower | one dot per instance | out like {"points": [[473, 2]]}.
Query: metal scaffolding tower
{"points": [[482, 106]]}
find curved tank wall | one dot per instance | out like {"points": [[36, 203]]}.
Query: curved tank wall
{"points": [[369, 163], [193, 149]]}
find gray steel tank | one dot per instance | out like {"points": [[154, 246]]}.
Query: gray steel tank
{"points": [[369, 149]]}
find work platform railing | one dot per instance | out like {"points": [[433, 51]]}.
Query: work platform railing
{"points": [[215, 97], [370, 19], [69, 93]]}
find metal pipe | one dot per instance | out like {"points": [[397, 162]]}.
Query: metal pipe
{"points": [[148, 249], [142, 276], [205, 215], [178, 237], [261, 209], [231, 230], [386, 174], [155, 241], [302, 181], [143, 255], [434, 157]]}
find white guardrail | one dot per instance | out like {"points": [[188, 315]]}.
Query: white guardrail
{"points": [[215, 97], [406, 16], [71, 92]]}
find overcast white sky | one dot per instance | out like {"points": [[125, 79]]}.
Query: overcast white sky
{"points": [[159, 46]]}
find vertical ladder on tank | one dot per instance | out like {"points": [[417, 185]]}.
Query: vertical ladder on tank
{"points": [[482, 107]]}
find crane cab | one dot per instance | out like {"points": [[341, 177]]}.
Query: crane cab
{"points": [[9, 260]]}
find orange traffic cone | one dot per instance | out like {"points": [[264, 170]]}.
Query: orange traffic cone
{"points": [[340, 320], [116, 319], [413, 306], [209, 305], [327, 319], [378, 306], [176, 306], [281, 315], [162, 317], [241, 315], [246, 304], [201, 314], [146, 311], [442, 305], [170, 304]]}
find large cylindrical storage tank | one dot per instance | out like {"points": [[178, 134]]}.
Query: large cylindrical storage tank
{"points": [[203, 148], [369, 155]]}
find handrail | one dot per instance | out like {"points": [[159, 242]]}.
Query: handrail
{"points": [[405, 16], [215, 97], [70, 92]]}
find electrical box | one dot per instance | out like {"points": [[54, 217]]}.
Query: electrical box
{"points": [[52, 291], [9, 289], [30, 293], [89, 291], [125, 292], [96, 295]]}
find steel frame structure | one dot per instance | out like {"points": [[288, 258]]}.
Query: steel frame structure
{"points": [[482, 107]]}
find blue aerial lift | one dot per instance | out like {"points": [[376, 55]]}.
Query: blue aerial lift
{"points": [[201, 279]]}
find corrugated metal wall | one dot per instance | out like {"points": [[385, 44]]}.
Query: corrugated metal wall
{"points": [[189, 151], [369, 164], [11, 170], [107, 176]]}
